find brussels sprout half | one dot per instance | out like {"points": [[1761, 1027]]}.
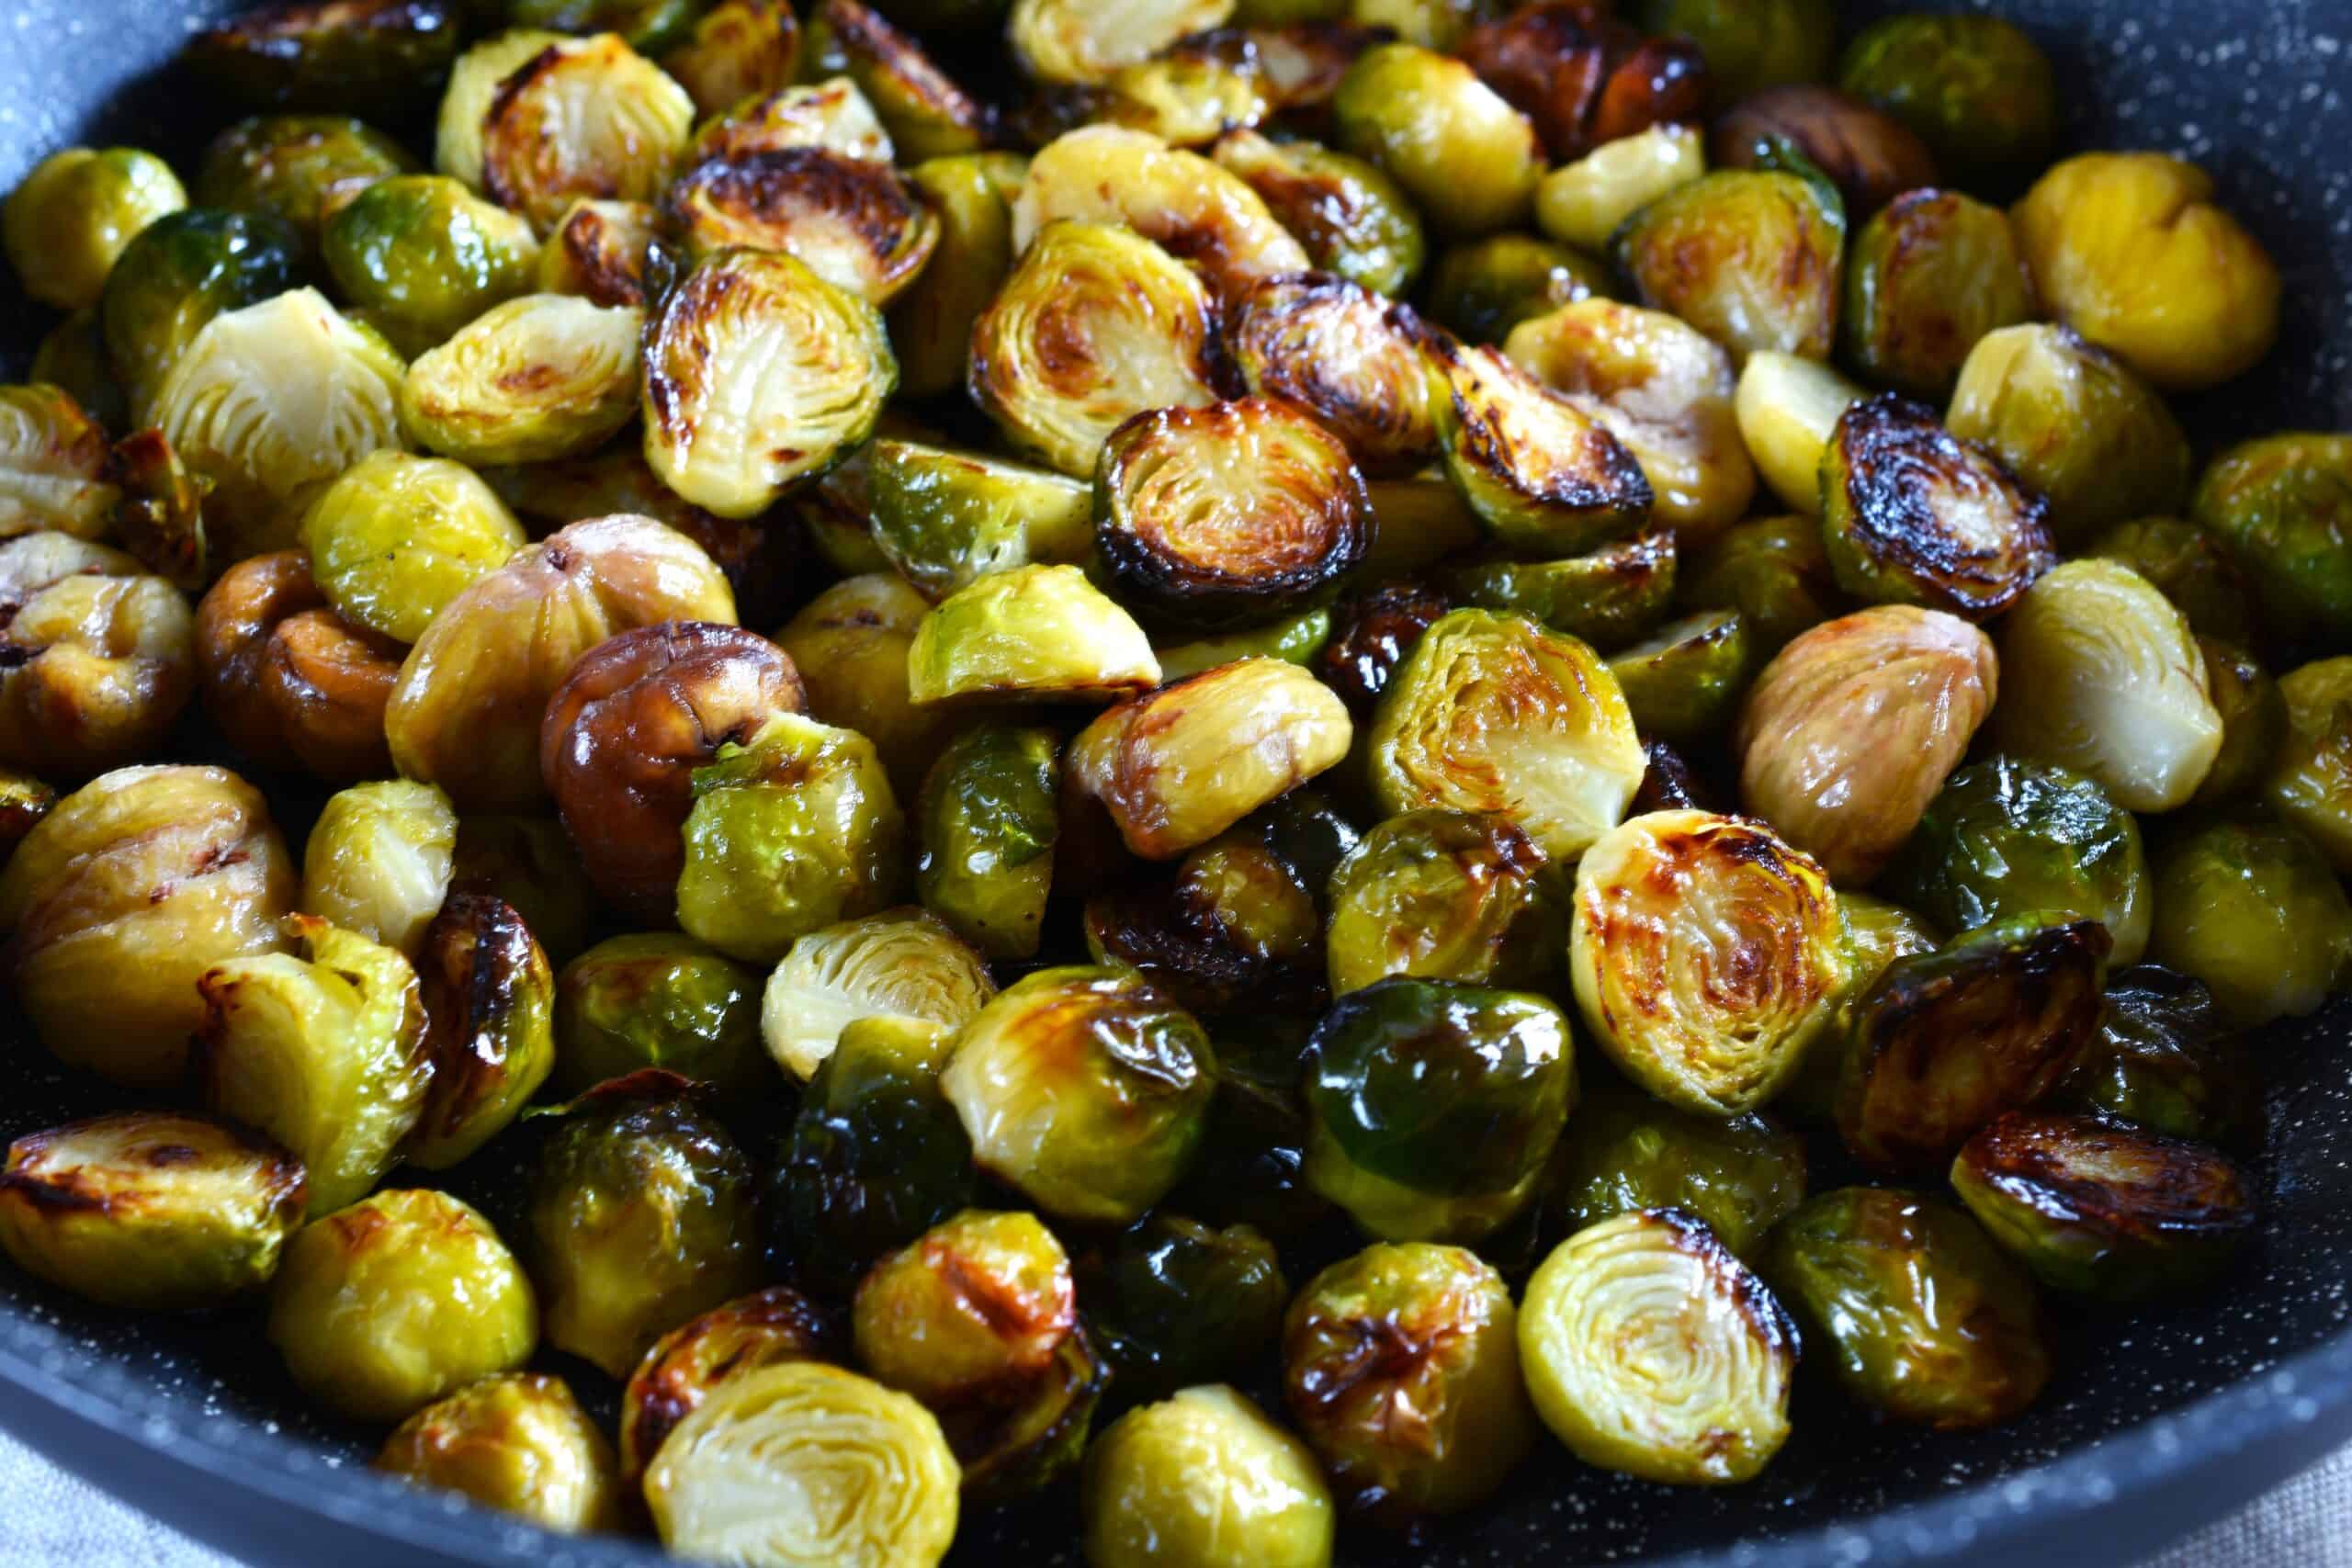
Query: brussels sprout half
{"points": [[541, 378], [853, 221], [1035, 634], [518, 1442], [1357, 362], [1469, 161], [2283, 504], [1582, 203], [1071, 41], [735, 50], [1750, 257], [1609, 597], [298, 168], [928, 114], [2254, 910], [582, 118], [1445, 896], [378, 861], [931, 327], [1541, 474], [834, 115], [1205, 1477], [772, 1327], [54, 466], [2167, 1061], [1931, 275], [609, 253], [1626, 1153], [902, 964], [69, 223], [1356, 222], [173, 278]]}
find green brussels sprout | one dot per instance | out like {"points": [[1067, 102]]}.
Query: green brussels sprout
{"points": [[582, 118], [1432, 1423], [2192, 568], [1609, 597], [792, 830], [56, 468], [369, 57], [72, 356], [152, 1210], [1788, 410], [527, 862], [1484, 289], [658, 1000], [649, 27], [1446, 896], [1035, 633], [174, 278], [1945, 1041], [1542, 474], [1177, 1302], [875, 1157], [489, 1032], [781, 1463], [850, 646], [1355, 221], [772, 1327], [1923, 1318], [1073, 42], [1913, 516], [474, 83], [2166, 1060], [931, 324], [2254, 722], [1652, 1351], [1203, 1479], [2009, 836], [976, 1319], [1682, 683], [1296, 638], [904, 963], [2284, 505], [1625, 1152], [535, 380], [74, 215], [1467, 159], [1356, 361], [2114, 684], [735, 50], [1433, 1106], [1979, 92], [1750, 44], [397, 538], [518, 1442], [928, 115], [401, 1299], [24, 801], [986, 826], [2104, 1210], [640, 1216], [1086, 1090], [1581, 204], [2308, 779], [300, 169], [424, 256], [1931, 275], [324, 1051], [2074, 423], [1750, 257], [2254, 910]]}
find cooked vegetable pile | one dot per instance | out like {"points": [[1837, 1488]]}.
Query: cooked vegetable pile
{"points": [[1239, 758]]}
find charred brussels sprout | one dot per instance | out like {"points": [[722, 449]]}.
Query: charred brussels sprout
{"points": [[1485, 288], [1203, 1479], [609, 253], [772, 1327], [2308, 779], [640, 1217], [489, 1031], [1740, 1175], [734, 50], [947, 519], [1947, 1041], [2284, 505], [902, 964], [173, 278], [1357, 362], [527, 862], [149, 1209], [854, 221], [583, 118], [1445, 896], [96, 658], [1233, 930], [1542, 474], [1749, 45], [424, 256], [928, 114], [1432, 1106], [1772, 570], [1354, 220], [2254, 910], [518, 1442], [381, 1308], [2191, 567], [1978, 91], [474, 83], [378, 861], [1401, 1367], [659, 1000], [1911, 516], [1707, 955], [397, 538], [1086, 1090], [2129, 250], [1749, 257], [987, 822], [1931, 277], [533, 380], [1608, 597], [56, 469], [2167, 1061], [1682, 684], [850, 645], [1176, 1302], [1852, 728], [68, 224], [1035, 633], [1788, 410], [1581, 203], [300, 169], [1469, 161], [373, 57], [1921, 1316]]}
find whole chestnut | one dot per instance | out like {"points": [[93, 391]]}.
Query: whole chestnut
{"points": [[1583, 77], [290, 681], [625, 732], [1870, 155]]}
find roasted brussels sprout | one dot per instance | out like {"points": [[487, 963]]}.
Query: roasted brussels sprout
{"points": [[2194, 569], [2254, 910], [173, 278], [1945, 1041], [1203, 1479], [931, 327], [378, 861], [1483, 288], [1401, 1367], [929, 116], [381, 1308], [1356, 222], [300, 169], [474, 84], [626, 729], [1976, 89], [1074, 42], [1877, 933], [1433, 1106], [1869, 155], [609, 253], [1609, 597], [1035, 633], [2255, 722], [583, 118], [397, 538], [987, 821], [1707, 955], [1931, 275], [1922, 1317], [850, 645], [1911, 516], [424, 256], [1468, 160], [659, 1000], [1295, 639], [1751, 44], [73, 216], [133, 886], [832, 115], [528, 863], [1542, 475], [541, 378], [56, 469], [1626, 1153], [1234, 928], [1788, 410], [2307, 780], [516, 1441], [1750, 257], [734, 50], [2166, 1060], [772, 1327], [853, 221], [149, 1209], [1353, 360], [359, 56], [2129, 250], [1851, 729], [490, 1030], [1445, 896], [1682, 684], [466, 712], [1175, 1301], [96, 657], [1086, 1090], [2284, 505], [902, 964]]}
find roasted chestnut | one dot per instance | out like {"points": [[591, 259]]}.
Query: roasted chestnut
{"points": [[290, 681]]}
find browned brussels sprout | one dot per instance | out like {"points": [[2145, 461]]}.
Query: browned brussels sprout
{"points": [[1947, 1041], [1176, 1302], [1354, 221], [1877, 933], [658, 1000], [1233, 929], [1741, 1175], [489, 1030], [1543, 476], [611, 254], [1468, 160], [57, 473], [927, 114], [586, 117], [1872, 156], [516, 1441], [735, 50], [1584, 78], [1921, 1315], [1977, 90], [856, 222], [2167, 1061], [2191, 567], [1930, 277], [1371, 634], [1609, 597], [366, 57], [300, 169], [1750, 257], [986, 824], [1483, 288], [766, 1329], [2254, 910], [1353, 360], [1446, 896]]}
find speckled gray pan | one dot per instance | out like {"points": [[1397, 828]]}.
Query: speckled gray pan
{"points": [[2150, 1429]]}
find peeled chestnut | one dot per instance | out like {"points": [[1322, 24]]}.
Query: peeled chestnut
{"points": [[1874, 157], [1371, 634], [625, 732], [290, 681]]}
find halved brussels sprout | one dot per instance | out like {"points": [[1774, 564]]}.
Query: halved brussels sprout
{"points": [[96, 658], [2284, 505], [490, 1027], [1072, 41], [1871, 156], [381, 1308], [300, 169], [122, 896], [640, 1217], [1086, 1090], [1945, 1041], [1608, 597], [290, 682], [1203, 1478], [1852, 728], [1751, 44], [2130, 250], [854, 222], [1357, 362], [1485, 288], [1469, 161], [2308, 779], [2074, 423], [791, 831], [2254, 910], [1932, 275], [365, 56], [928, 114], [850, 645], [1664, 391], [527, 862], [609, 253], [1491, 713], [780, 1465], [518, 1442], [1911, 516], [987, 822], [424, 256], [945, 519], [1707, 956], [2193, 567], [270, 402], [1542, 474], [153, 1210], [776, 1327], [55, 466], [1446, 896], [1188, 97], [538, 378], [2255, 721], [474, 85], [2167, 1061], [758, 373], [1625, 1152], [1036, 634], [734, 50], [2102, 1209], [1750, 257], [1095, 325], [1922, 1317], [1234, 928], [73, 216], [1175, 1301], [1433, 1420], [378, 861], [397, 538], [2113, 682], [174, 278], [901, 963], [1354, 221], [659, 1000], [582, 118], [1977, 89], [1583, 203], [1788, 410]]}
